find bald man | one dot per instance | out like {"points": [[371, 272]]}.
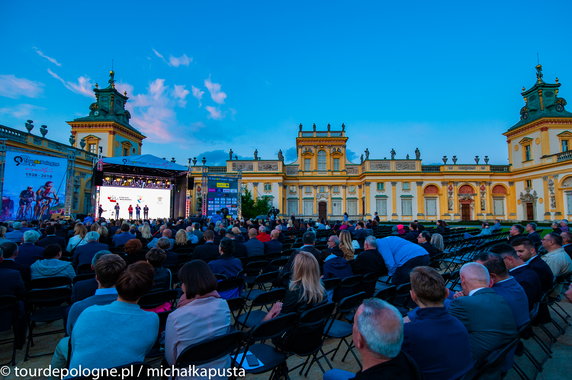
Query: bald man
{"points": [[274, 246], [486, 315]]}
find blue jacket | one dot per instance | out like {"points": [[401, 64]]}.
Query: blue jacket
{"points": [[528, 279], [227, 266], [516, 298], [101, 297], [397, 251], [122, 238], [84, 253], [52, 268], [428, 339], [28, 253], [336, 266], [254, 247]]}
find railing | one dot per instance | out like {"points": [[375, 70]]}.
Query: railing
{"points": [[217, 169], [13, 134], [564, 156], [500, 168], [431, 168]]}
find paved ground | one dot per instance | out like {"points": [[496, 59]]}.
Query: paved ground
{"points": [[557, 367]]}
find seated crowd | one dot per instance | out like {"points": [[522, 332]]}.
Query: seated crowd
{"points": [[110, 266]]}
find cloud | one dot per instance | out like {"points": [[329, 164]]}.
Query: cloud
{"points": [[218, 157], [180, 93], [214, 113], [14, 87], [20, 110], [197, 93], [183, 60], [82, 87], [351, 155], [291, 154], [217, 95], [41, 54]]}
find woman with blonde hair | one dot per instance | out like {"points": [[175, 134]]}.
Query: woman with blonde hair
{"points": [[78, 237], [346, 245], [146, 235], [181, 238]]}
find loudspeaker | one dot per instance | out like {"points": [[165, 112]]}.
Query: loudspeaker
{"points": [[97, 178], [190, 183]]}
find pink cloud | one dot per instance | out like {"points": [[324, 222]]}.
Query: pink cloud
{"points": [[14, 87], [197, 93], [183, 60], [180, 93], [41, 54], [82, 87], [214, 113], [217, 95]]}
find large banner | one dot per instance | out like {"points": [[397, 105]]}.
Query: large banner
{"points": [[222, 192], [34, 186], [157, 201]]}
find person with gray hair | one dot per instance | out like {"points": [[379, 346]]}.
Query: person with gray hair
{"points": [[370, 260], [29, 252], [378, 336], [486, 315], [16, 234], [83, 254]]}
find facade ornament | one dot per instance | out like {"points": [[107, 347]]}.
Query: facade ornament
{"points": [[483, 197], [392, 154], [230, 152], [407, 156], [477, 159], [450, 197], [366, 153], [235, 157], [454, 160], [194, 161], [417, 154], [44, 130], [343, 127], [314, 127], [82, 143], [445, 159], [361, 159], [280, 155], [29, 125], [486, 160], [539, 74], [329, 127], [300, 127], [72, 139], [256, 154]]}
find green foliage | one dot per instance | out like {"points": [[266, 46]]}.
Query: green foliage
{"points": [[251, 207]]}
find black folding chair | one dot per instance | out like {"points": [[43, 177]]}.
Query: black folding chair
{"points": [[331, 284], [236, 306], [402, 300], [210, 350], [263, 283], [45, 305], [9, 311], [50, 282], [368, 283], [387, 294], [264, 301], [157, 298], [347, 287], [271, 358], [493, 364]]}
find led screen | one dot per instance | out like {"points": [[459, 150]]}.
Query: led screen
{"points": [[158, 201], [222, 192]]}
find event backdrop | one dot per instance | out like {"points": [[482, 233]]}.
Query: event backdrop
{"points": [[158, 201], [34, 186], [221, 192]]}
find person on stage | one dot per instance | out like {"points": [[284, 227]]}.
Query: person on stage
{"points": [[26, 198], [137, 212], [145, 212], [100, 211], [130, 210], [117, 211]]}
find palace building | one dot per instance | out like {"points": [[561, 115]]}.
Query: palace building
{"points": [[323, 183]]}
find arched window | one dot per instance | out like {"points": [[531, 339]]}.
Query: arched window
{"points": [[321, 160]]}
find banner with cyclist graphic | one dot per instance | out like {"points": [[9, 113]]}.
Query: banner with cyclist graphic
{"points": [[34, 186]]}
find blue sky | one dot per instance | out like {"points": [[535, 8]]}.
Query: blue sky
{"points": [[203, 77]]}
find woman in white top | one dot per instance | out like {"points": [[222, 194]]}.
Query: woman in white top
{"points": [[78, 238]]}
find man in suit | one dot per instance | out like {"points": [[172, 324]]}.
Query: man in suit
{"points": [[308, 239], [84, 253], [567, 242], [526, 251], [515, 231], [121, 238], [370, 260], [533, 236], [209, 250], [522, 273], [52, 238], [254, 247], [239, 250], [9, 253], [273, 246], [485, 314], [506, 285], [424, 240], [29, 252]]}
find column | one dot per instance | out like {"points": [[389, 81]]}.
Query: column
{"points": [[344, 204], [315, 194], [420, 203], [456, 213], [511, 202], [281, 203], [300, 195], [70, 182], [394, 200], [489, 199], [360, 209], [367, 194], [443, 200], [254, 190]]}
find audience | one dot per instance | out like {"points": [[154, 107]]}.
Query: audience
{"points": [[28, 252], [16, 235], [484, 313], [207, 251], [567, 242], [52, 238], [254, 247], [9, 255], [533, 236], [262, 235], [103, 335], [83, 289], [437, 341], [51, 265], [346, 246], [515, 231], [181, 240], [134, 251], [273, 246], [424, 240], [556, 257], [378, 336], [437, 242], [123, 236], [226, 264], [201, 314], [400, 257], [526, 251], [78, 238], [162, 279], [84, 253], [369, 261]]}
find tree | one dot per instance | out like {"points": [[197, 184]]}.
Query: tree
{"points": [[251, 208]]}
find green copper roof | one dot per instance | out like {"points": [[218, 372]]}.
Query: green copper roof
{"points": [[109, 106], [541, 101]]}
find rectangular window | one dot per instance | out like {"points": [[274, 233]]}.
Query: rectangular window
{"points": [[565, 146], [431, 206], [406, 206], [337, 207], [308, 189], [381, 206], [126, 151], [527, 153], [569, 201], [307, 164], [351, 208], [292, 207], [406, 186], [336, 164], [380, 186], [92, 148], [529, 184], [498, 206], [336, 189], [308, 207], [321, 160], [267, 187], [322, 189]]}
